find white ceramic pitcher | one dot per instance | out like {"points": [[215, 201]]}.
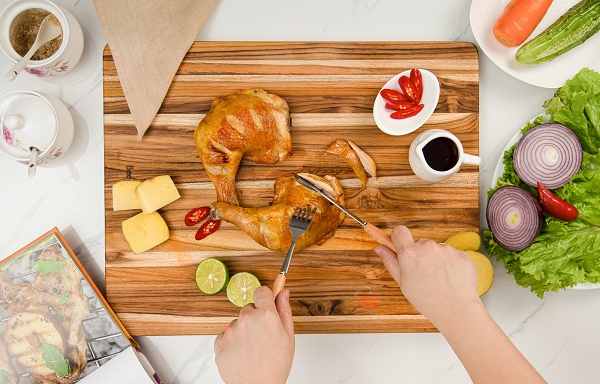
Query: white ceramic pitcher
{"points": [[419, 165]]}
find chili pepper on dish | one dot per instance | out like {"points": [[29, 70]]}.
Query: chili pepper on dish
{"points": [[393, 96], [409, 89], [400, 106], [555, 206], [403, 114], [417, 80]]}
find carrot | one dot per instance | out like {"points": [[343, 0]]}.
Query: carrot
{"points": [[518, 21]]}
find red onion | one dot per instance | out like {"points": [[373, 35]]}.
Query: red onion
{"points": [[549, 154], [514, 216]]}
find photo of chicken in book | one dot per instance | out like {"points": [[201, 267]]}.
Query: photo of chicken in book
{"points": [[44, 330]]}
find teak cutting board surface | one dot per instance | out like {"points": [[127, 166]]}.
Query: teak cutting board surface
{"points": [[341, 286]]}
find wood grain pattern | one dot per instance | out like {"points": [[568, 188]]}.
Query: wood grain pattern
{"points": [[341, 286]]}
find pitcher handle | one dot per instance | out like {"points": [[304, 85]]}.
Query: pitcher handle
{"points": [[470, 159]]}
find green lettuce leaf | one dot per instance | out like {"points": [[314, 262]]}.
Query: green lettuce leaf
{"points": [[577, 105], [564, 253]]}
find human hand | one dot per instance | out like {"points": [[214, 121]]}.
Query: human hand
{"points": [[438, 280], [258, 347]]}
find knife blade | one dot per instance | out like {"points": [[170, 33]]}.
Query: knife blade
{"points": [[380, 236]]}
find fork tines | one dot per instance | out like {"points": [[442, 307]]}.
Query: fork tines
{"points": [[305, 214]]}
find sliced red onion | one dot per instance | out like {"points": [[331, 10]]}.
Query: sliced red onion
{"points": [[514, 216], [549, 154]]}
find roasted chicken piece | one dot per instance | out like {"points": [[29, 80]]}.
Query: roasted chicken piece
{"points": [[6, 365], [358, 160], [251, 125], [269, 226], [57, 298]]}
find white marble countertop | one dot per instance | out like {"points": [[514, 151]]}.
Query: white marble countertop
{"points": [[559, 334]]}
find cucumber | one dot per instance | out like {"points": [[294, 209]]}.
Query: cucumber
{"points": [[580, 23]]}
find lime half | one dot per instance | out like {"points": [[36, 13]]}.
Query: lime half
{"points": [[211, 276], [240, 290]]}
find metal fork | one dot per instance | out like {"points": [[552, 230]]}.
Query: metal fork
{"points": [[299, 223]]}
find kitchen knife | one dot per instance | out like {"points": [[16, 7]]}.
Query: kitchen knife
{"points": [[376, 233]]}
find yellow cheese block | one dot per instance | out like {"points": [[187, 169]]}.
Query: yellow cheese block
{"points": [[155, 193], [143, 232], [485, 271], [124, 197]]}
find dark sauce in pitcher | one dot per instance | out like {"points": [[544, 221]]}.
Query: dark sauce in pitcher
{"points": [[441, 154]]}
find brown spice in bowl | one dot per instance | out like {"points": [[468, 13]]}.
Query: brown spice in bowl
{"points": [[24, 30]]}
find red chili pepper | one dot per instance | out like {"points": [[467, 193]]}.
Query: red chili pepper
{"points": [[208, 228], [400, 106], [408, 88], [393, 96], [417, 80], [196, 215], [556, 206], [403, 114]]}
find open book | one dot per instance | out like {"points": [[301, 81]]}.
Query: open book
{"points": [[55, 326]]}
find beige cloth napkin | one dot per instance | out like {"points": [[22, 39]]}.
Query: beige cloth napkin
{"points": [[148, 40]]}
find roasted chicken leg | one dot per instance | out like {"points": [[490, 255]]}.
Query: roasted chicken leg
{"points": [[252, 125], [269, 226]]}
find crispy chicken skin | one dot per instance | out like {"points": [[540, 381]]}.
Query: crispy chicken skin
{"points": [[251, 125], [269, 226], [42, 295], [342, 147]]}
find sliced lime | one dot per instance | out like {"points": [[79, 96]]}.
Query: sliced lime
{"points": [[211, 276], [240, 290]]}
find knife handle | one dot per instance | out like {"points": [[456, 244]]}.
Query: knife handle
{"points": [[382, 237], [278, 284]]}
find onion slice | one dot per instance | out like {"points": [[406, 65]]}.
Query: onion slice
{"points": [[549, 154], [514, 216], [365, 160]]}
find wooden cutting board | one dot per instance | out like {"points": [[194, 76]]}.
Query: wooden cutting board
{"points": [[341, 286]]}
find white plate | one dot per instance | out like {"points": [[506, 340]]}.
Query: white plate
{"points": [[552, 74], [431, 95], [500, 170]]}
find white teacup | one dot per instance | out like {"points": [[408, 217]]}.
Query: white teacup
{"points": [[436, 160]]}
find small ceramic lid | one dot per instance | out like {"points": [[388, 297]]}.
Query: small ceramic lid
{"points": [[27, 121]]}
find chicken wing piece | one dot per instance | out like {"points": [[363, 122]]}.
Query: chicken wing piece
{"points": [[60, 295], [343, 148], [269, 226], [252, 125]]}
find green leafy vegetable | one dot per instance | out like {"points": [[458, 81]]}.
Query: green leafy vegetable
{"points": [[55, 360], [47, 266], [63, 299], [4, 377], [564, 253]]}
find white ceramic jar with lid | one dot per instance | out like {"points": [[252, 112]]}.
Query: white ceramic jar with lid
{"points": [[68, 53], [30, 119]]}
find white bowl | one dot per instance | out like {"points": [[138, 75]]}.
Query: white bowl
{"points": [[431, 95]]}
